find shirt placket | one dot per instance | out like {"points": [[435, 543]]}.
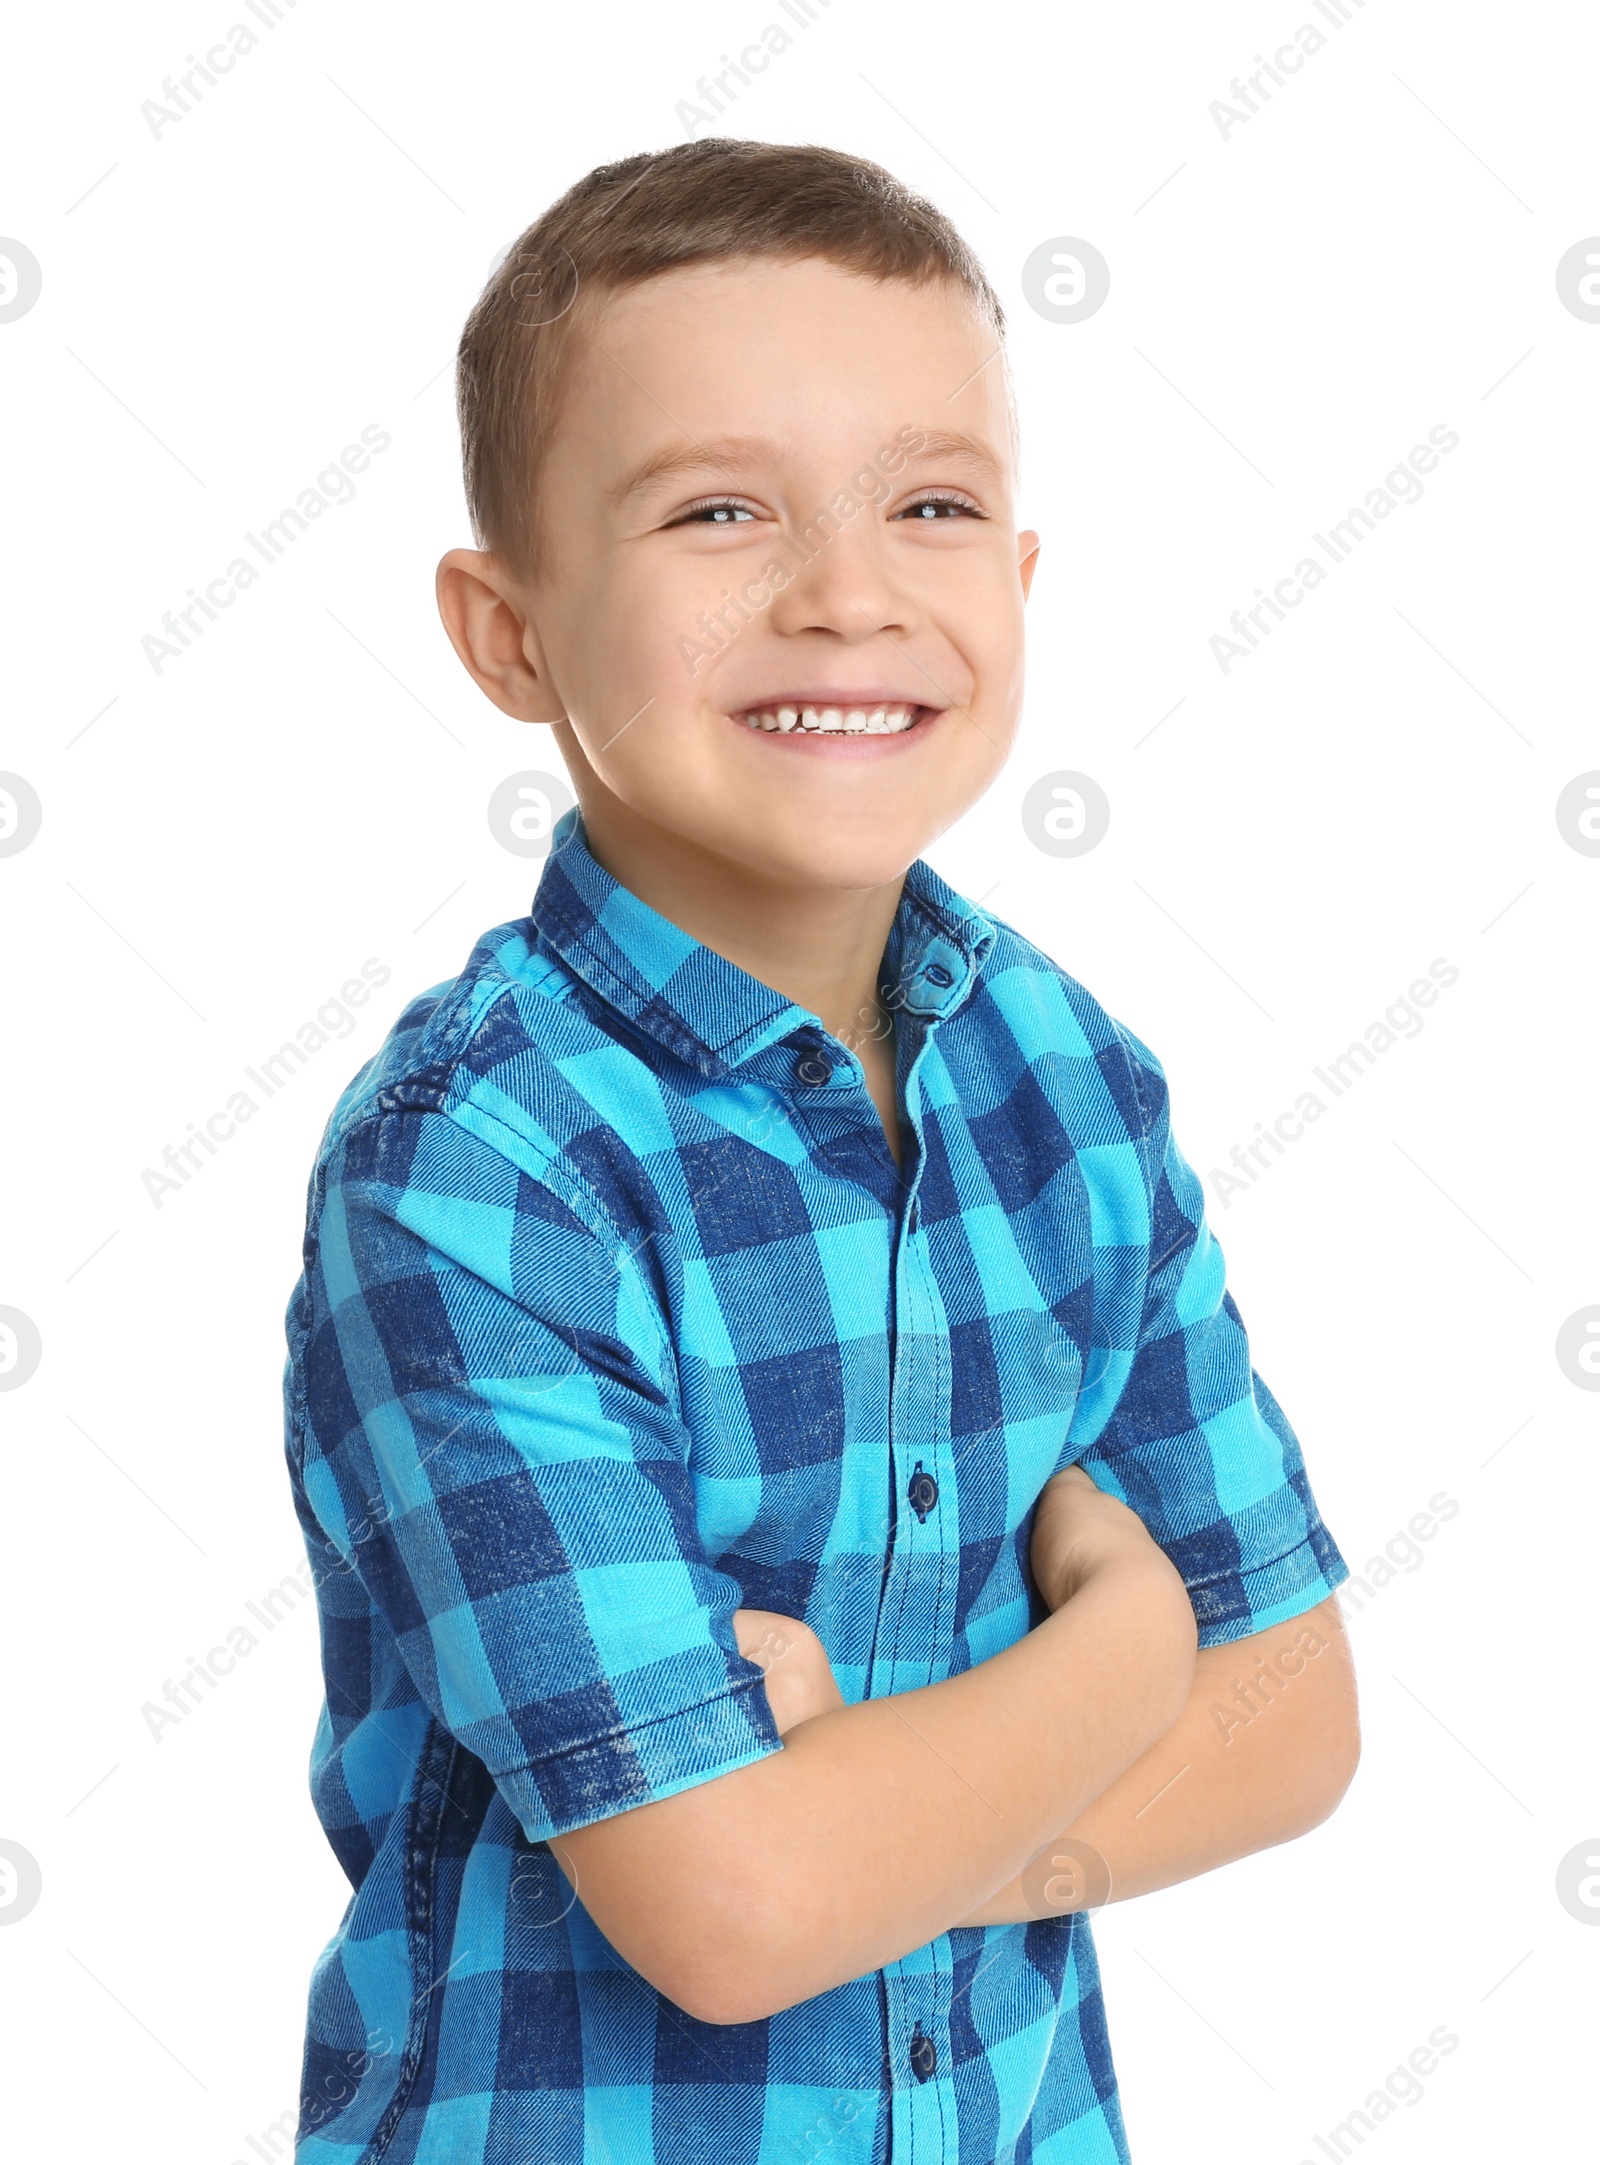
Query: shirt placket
{"points": [[915, 1629]]}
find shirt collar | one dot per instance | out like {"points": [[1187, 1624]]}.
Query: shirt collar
{"points": [[706, 1009]]}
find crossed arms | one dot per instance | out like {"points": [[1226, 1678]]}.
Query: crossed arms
{"points": [[881, 1825]]}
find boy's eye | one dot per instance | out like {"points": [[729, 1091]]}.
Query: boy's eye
{"points": [[715, 511], [941, 506]]}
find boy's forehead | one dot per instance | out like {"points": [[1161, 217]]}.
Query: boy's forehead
{"points": [[770, 351], [754, 288]]}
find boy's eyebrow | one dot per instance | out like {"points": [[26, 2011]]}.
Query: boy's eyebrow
{"points": [[725, 452], [937, 443], [691, 457]]}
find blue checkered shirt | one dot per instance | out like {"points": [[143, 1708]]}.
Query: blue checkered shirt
{"points": [[618, 1316]]}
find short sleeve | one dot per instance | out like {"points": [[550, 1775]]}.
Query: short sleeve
{"points": [[1194, 1441], [487, 1436]]}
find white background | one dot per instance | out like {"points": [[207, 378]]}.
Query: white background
{"points": [[1291, 309]]}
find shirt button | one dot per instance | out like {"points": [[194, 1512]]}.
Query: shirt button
{"points": [[923, 1493], [812, 1067], [937, 974], [924, 2054]]}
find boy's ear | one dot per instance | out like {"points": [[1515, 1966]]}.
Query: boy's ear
{"points": [[1027, 559], [487, 619]]}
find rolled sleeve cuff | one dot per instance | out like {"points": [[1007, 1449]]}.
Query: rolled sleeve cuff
{"points": [[1236, 1604], [627, 1767]]}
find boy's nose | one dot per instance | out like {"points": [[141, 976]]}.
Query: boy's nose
{"points": [[846, 587]]}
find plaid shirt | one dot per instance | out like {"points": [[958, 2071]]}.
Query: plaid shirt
{"points": [[618, 1316]]}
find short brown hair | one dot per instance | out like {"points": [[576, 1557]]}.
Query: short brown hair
{"points": [[705, 201]]}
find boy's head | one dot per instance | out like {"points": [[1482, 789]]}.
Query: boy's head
{"points": [[738, 443]]}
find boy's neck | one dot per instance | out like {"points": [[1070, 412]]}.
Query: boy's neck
{"points": [[820, 947]]}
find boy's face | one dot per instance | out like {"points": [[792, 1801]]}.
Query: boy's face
{"points": [[774, 487]]}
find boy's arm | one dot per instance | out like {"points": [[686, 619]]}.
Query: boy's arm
{"points": [[880, 1825], [1262, 1753]]}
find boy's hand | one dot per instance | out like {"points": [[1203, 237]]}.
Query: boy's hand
{"points": [[799, 1675], [1078, 1529]]}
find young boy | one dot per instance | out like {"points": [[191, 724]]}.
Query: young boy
{"points": [[795, 1520]]}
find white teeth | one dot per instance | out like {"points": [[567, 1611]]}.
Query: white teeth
{"points": [[834, 721]]}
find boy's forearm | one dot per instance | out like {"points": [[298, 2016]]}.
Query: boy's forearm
{"points": [[1258, 1756], [890, 1819]]}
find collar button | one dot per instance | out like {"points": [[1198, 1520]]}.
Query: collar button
{"points": [[937, 974]]}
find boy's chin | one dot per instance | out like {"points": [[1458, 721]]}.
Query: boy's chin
{"points": [[834, 862]]}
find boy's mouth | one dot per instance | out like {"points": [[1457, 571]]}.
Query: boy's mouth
{"points": [[870, 719]]}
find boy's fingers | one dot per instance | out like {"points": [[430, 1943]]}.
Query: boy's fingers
{"points": [[762, 1635], [1070, 1475]]}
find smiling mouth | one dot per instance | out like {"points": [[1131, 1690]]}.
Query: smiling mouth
{"points": [[866, 721]]}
